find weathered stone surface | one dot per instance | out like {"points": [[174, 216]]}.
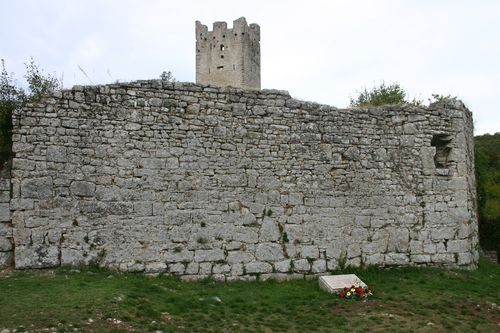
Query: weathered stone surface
{"points": [[420, 258], [318, 266], [179, 255], [375, 259], [177, 268], [283, 266], [196, 180], [82, 188], [396, 259], [301, 265], [155, 267], [208, 255], [37, 256], [461, 245], [56, 154], [6, 259], [269, 231], [71, 256], [258, 267], [4, 184], [5, 196], [239, 257], [143, 208], [4, 212], [6, 244], [37, 188], [269, 252], [309, 251], [35, 221], [5, 230]]}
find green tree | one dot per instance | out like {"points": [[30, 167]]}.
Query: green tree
{"points": [[167, 76], [13, 97], [487, 163], [381, 95], [39, 84], [10, 94]]}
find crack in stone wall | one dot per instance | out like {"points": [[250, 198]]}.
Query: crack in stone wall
{"points": [[195, 181]]}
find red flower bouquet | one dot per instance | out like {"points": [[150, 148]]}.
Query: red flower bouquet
{"points": [[356, 293]]}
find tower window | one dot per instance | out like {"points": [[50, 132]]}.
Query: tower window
{"points": [[220, 67], [222, 48], [223, 36], [233, 67], [222, 56]]}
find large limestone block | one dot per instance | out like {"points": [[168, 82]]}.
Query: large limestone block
{"points": [[269, 252], [258, 267], [269, 231], [4, 212], [56, 154], [82, 188], [37, 188], [37, 256], [6, 258], [209, 255]]}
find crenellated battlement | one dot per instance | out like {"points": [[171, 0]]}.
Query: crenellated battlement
{"points": [[228, 57], [220, 30]]}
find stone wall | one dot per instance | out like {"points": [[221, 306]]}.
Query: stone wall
{"points": [[196, 180], [6, 241]]}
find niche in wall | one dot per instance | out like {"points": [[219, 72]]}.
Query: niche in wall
{"points": [[442, 142]]}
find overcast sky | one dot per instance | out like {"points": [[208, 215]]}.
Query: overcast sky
{"points": [[321, 51]]}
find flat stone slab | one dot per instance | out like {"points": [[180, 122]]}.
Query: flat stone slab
{"points": [[336, 283]]}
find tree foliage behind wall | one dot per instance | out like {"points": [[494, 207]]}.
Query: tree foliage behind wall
{"points": [[487, 156], [382, 94]]}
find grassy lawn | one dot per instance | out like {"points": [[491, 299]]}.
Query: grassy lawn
{"points": [[404, 300]]}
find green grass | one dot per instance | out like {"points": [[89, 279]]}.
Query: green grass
{"points": [[405, 299]]}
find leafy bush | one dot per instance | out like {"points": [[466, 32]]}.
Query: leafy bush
{"points": [[167, 76], [381, 95], [39, 84], [12, 97]]}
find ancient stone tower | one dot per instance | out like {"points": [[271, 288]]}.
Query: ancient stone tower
{"points": [[228, 57]]}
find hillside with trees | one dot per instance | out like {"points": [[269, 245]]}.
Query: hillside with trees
{"points": [[487, 154]]}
